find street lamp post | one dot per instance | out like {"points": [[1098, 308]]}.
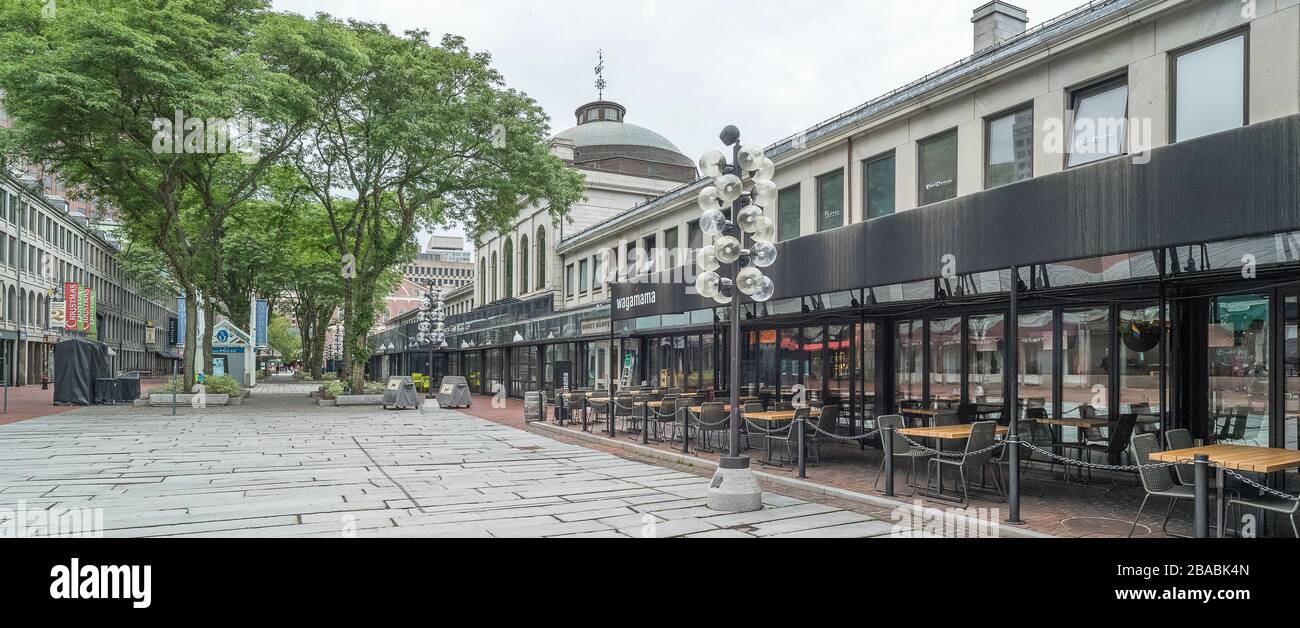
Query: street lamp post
{"points": [[746, 185], [432, 326]]}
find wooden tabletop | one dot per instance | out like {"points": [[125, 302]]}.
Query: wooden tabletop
{"points": [[946, 432], [1083, 423], [779, 415], [922, 411], [699, 409], [1237, 457]]}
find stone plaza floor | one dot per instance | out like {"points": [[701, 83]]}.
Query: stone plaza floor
{"points": [[279, 466]]}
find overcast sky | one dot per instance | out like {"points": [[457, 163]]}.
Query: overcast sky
{"points": [[782, 67]]}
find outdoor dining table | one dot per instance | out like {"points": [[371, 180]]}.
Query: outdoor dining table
{"points": [[1081, 425], [774, 417], [1263, 460], [944, 432]]}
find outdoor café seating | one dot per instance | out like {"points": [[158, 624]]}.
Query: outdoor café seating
{"points": [[1157, 482], [977, 458]]}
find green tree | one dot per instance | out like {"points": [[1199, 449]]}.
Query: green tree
{"points": [[284, 338], [420, 136], [94, 89]]}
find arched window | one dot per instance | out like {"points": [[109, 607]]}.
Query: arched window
{"points": [[508, 283], [523, 264], [482, 278], [541, 258], [493, 268]]}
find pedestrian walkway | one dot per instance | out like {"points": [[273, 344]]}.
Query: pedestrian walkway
{"points": [[282, 467]]}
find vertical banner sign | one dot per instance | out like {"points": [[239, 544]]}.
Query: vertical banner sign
{"points": [[263, 320], [173, 331], [85, 309], [71, 299], [180, 321], [58, 314], [91, 324]]}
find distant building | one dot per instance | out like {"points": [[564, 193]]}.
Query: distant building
{"points": [[444, 261]]}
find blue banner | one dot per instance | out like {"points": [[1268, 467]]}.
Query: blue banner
{"points": [[180, 321], [263, 320]]}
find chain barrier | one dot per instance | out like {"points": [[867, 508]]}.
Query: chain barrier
{"points": [[1099, 467], [701, 423], [848, 439], [780, 431], [950, 454], [1249, 482]]}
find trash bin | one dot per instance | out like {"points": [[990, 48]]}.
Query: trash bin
{"points": [[106, 390], [128, 386], [454, 393], [400, 394]]}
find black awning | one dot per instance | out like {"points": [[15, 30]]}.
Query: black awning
{"points": [[170, 355]]}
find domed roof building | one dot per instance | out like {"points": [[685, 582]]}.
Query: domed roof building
{"points": [[604, 141]]}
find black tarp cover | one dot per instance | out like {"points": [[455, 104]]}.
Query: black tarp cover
{"points": [[78, 362]]}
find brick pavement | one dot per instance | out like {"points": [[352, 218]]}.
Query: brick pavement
{"points": [[1048, 505], [29, 402]]}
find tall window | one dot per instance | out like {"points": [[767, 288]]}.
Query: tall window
{"points": [[909, 342], [830, 201], [523, 264], [1210, 88], [509, 281], [1240, 360], [597, 271], [494, 276], [1100, 122], [482, 277], [1010, 156], [787, 213], [878, 186], [542, 256], [938, 156], [582, 277], [674, 259], [985, 353], [568, 282]]}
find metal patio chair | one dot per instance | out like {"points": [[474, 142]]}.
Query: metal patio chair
{"points": [[711, 420], [1159, 482], [902, 449], [982, 436]]}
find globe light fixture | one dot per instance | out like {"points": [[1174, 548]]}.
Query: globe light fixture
{"points": [[765, 291], [713, 164], [432, 317], [728, 248], [710, 200], [764, 194], [763, 254], [713, 223], [750, 158], [766, 170], [707, 258], [766, 230], [729, 187], [749, 218], [708, 284], [749, 280]]}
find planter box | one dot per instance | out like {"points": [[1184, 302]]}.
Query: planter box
{"points": [[164, 399], [327, 402], [361, 400]]}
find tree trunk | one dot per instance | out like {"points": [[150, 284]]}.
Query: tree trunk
{"points": [[209, 321], [191, 336], [321, 320]]}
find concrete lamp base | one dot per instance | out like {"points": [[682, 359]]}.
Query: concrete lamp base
{"points": [[734, 487]]}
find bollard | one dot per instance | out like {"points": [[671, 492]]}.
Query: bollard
{"points": [[803, 469], [686, 430], [645, 424], [1202, 517], [887, 441], [613, 412], [175, 384], [1013, 483]]}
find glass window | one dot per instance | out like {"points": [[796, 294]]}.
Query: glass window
{"points": [[986, 350], [830, 201], [1086, 334], [938, 157], [792, 359], [1037, 361], [1139, 365], [1010, 155], [1292, 377], [583, 282], [866, 355], [597, 269], [1100, 122], [788, 214], [568, 281], [879, 177], [1240, 357], [945, 360], [1210, 89], [909, 341], [674, 257], [707, 375]]}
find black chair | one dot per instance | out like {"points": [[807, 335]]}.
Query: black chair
{"points": [[902, 448], [982, 436], [1117, 444], [1158, 482]]}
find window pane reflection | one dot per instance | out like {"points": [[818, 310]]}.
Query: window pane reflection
{"points": [[945, 360], [1037, 351], [1240, 358], [987, 352], [909, 341]]}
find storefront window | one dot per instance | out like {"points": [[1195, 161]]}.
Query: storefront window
{"points": [[945, 360], [814, 344], [793, 360], [523, 371], [909, 341], [707, 374], [1037, 350], [765, 358], [839, 346], [1292, 379], [1139, 350], [495, 371], [866, 341], [1086, 335], [695, 362], [474, 371], [1240, 358], [987, 354]]}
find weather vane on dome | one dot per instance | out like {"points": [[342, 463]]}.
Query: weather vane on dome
{"points": [[600, 74]]}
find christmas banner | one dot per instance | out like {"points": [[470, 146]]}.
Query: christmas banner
{"points": [[85, 309], [71, 301]]}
